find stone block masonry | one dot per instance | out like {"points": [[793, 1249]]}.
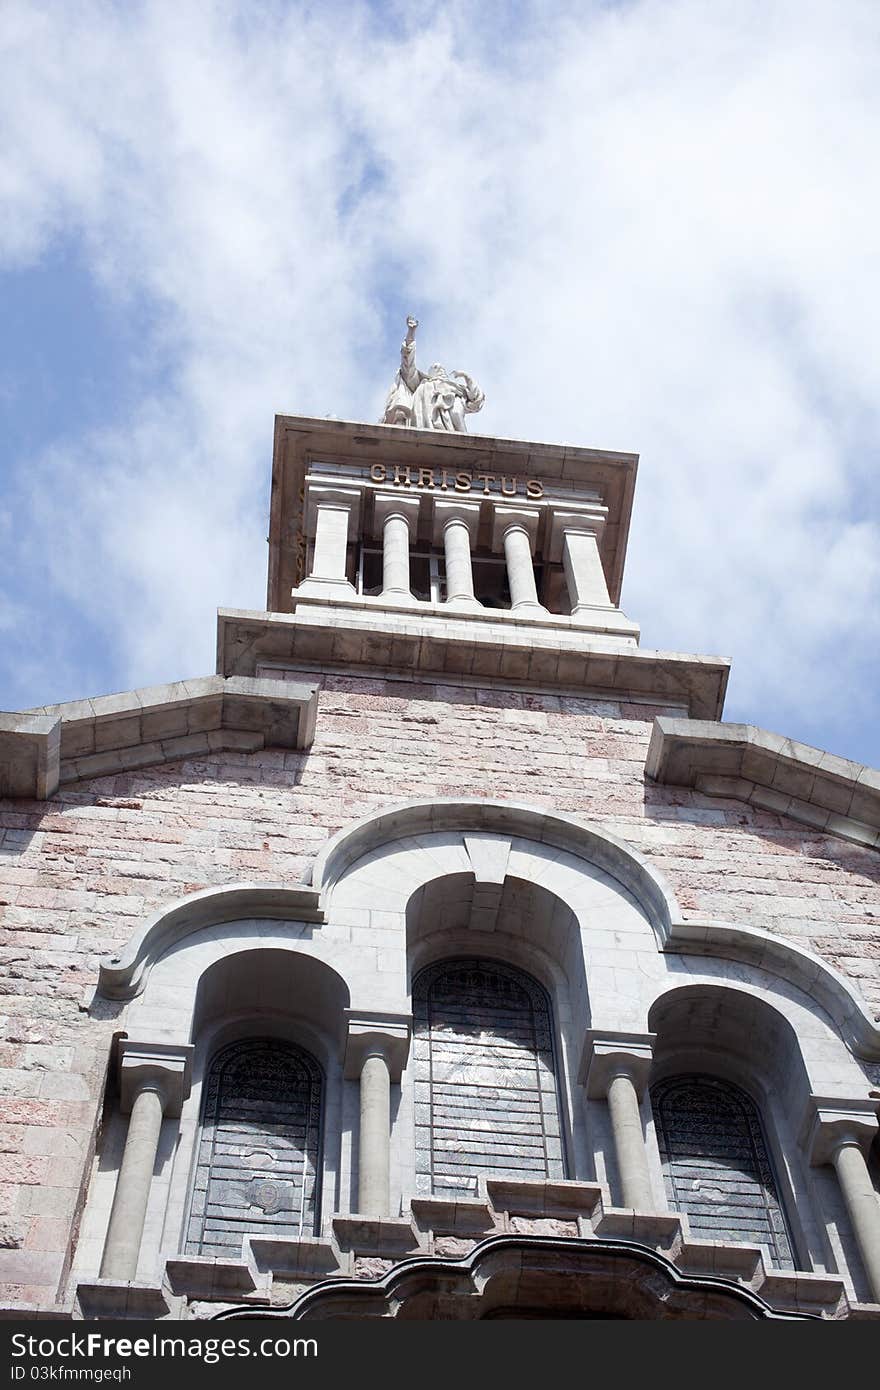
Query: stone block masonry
{"points": [[82, 870]]}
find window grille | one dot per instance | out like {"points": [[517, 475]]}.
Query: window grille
{"points": [[716, 1164], [485, 1077], [258, 1162]]}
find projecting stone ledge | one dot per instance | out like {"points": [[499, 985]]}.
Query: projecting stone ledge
{"points": [[45, 748], [549, 652], [768, 771]]}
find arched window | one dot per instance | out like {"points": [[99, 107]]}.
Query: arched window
{"points": [[485, 1077], [716, 1164], [258, 1161]]}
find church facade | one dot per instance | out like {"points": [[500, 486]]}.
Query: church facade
{"points": [[445, 954]]}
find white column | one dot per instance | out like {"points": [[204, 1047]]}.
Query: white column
{"points": [[374, 1152], [615, 1068], [840, 1134], [376, 1049], [514, 530], [456, 524], [398, 518], [154, 1081], [863, 1205], [123, 1243], [629, 1142], [332, 516]]}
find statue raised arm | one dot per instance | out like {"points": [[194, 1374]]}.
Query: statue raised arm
{"points": [[432, 400]]}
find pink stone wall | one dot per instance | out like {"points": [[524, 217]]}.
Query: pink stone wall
{"points": [[80, 873]]}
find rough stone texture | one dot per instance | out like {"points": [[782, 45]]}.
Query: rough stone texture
{"points": [[81, 872]]}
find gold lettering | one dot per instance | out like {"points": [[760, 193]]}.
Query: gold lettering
{"points": [[401, 474], [485, 479], [511, 490], [444, 480], [534, 488], [462, 482], [378, 472], [426, 477]]}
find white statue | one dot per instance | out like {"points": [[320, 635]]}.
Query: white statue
{"points": [[433, 400]]}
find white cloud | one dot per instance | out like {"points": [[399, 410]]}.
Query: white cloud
{"points": [[647, 226]]}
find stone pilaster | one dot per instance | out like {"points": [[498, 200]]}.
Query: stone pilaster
{"points": [[573, 536], [332, 517]]}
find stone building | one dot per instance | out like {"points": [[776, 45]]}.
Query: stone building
{"points": [[445, 954]]}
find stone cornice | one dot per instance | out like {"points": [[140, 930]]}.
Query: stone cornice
{"points": [[556, 653], [769, 772], [49, 747]]}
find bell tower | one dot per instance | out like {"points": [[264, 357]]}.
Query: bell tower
{"points": [[437, 551]]}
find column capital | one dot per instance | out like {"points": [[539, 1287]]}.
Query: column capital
{"points": [[585, 517], [343, 498], [369, 1034], [454, 509], [832, 1121], [608, 1054], [387, 504], [503, 517], [165, 1067]]}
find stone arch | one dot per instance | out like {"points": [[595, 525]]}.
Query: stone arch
{"points": [[209, 977], [267, 982], [239, 987], [590, 853], [411, 821], [731, 1035], [498, 911], [744, 1037], [212, 989]]}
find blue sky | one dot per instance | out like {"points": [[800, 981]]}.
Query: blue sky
{"points": [[646, 226]]}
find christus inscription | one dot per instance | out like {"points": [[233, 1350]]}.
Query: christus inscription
{"points": [[444, 480]]}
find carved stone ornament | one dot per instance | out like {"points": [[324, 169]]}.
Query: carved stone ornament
{"points": [[432, 400]]}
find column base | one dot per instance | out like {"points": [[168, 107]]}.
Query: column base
{"points": [[464, 604], [604, 617], [122, 1298], [323, 588], [530, 610], [390, 597]]}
